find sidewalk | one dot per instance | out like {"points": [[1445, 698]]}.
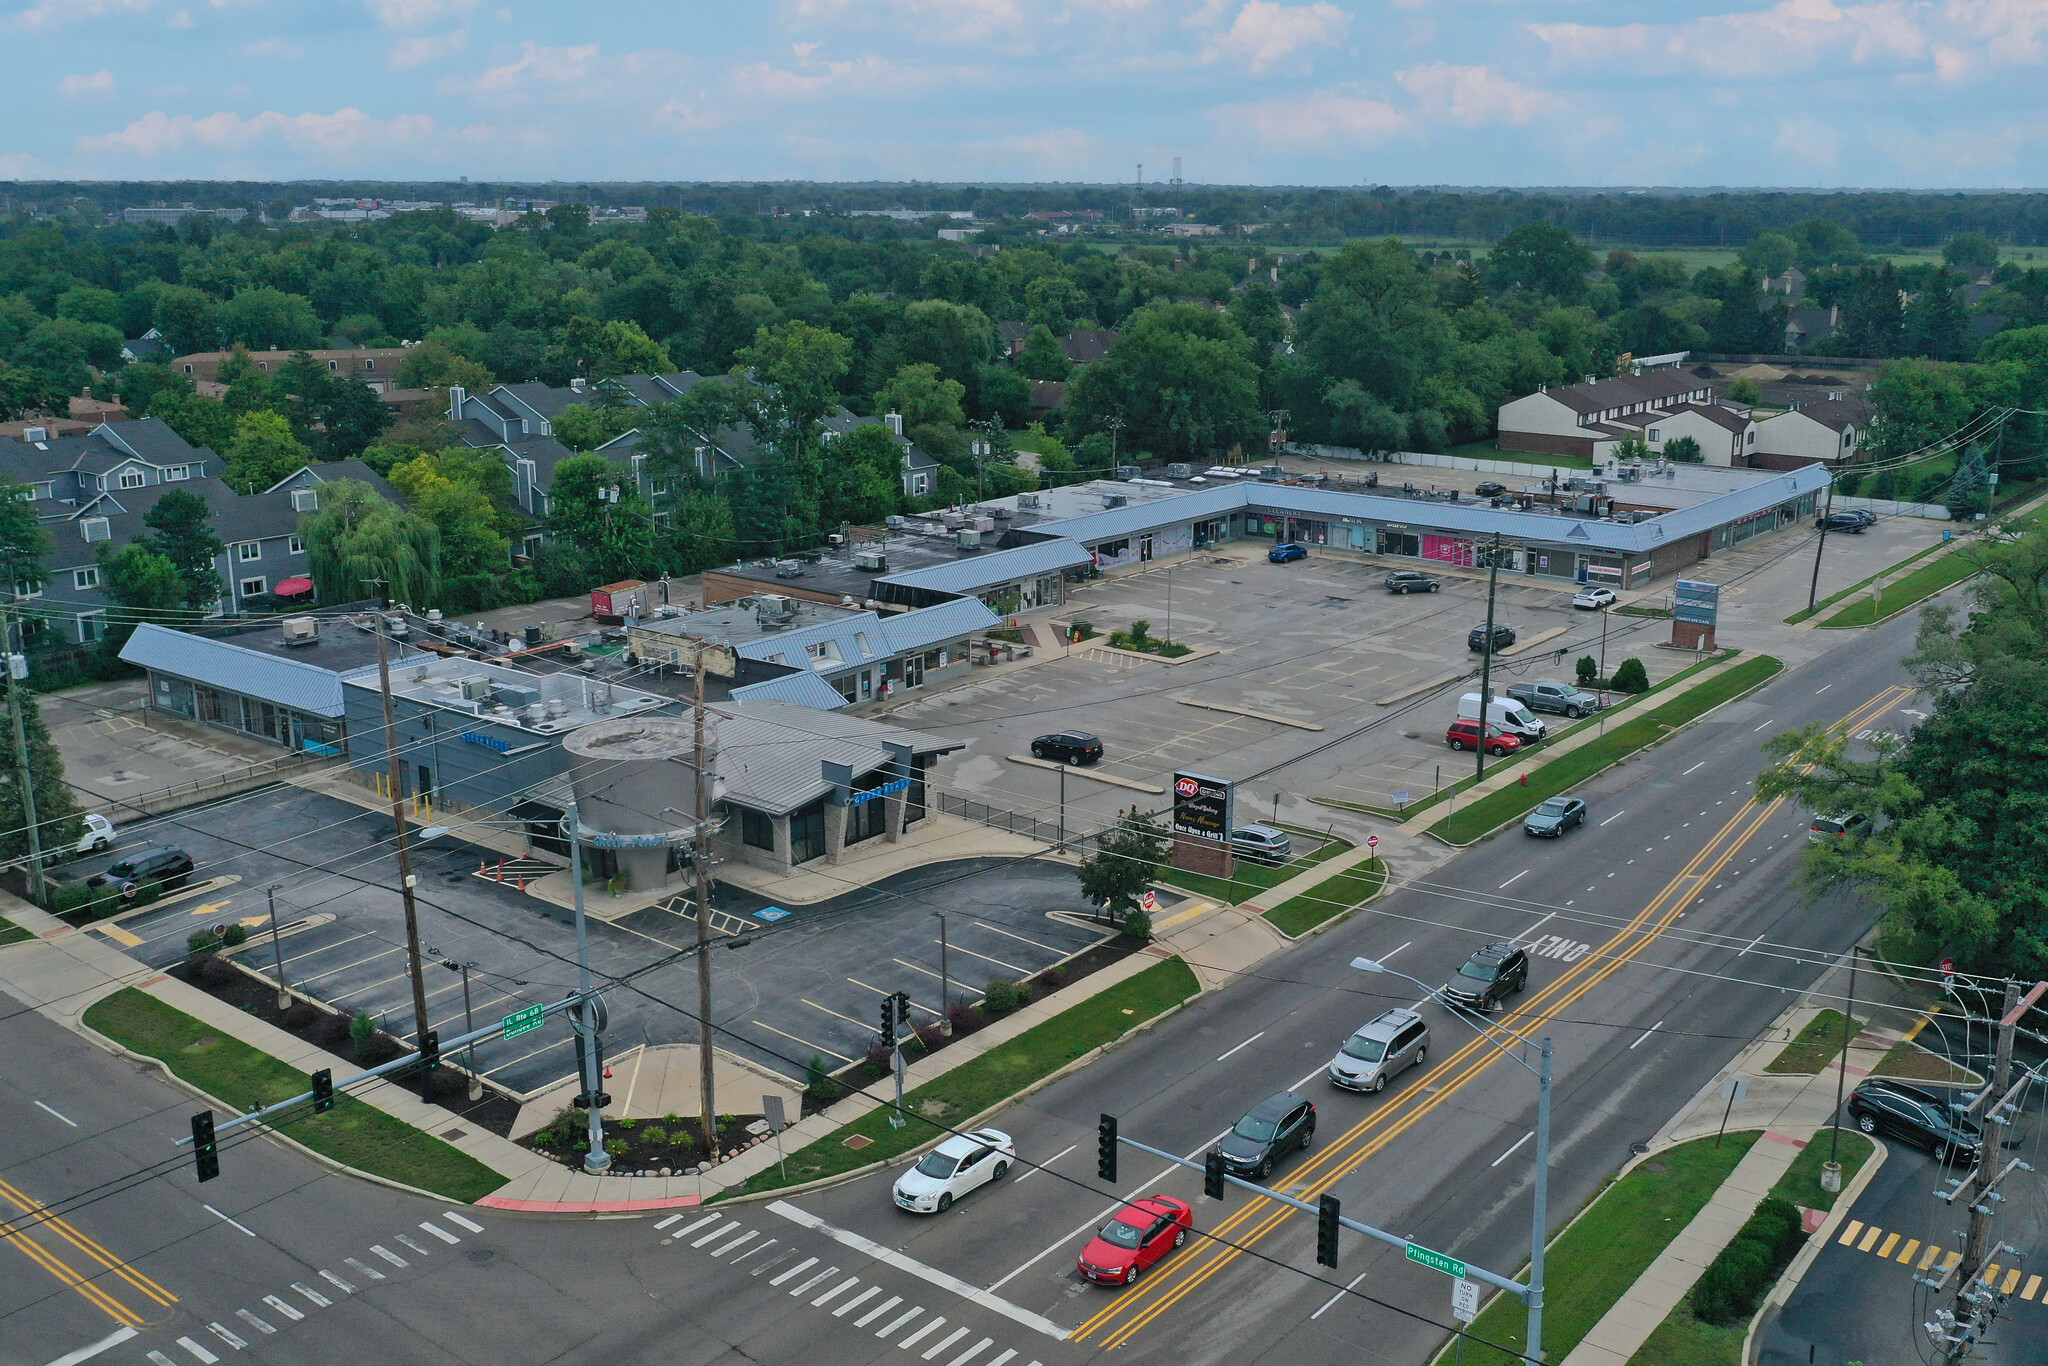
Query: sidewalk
{"points": [[1791, 1111]]}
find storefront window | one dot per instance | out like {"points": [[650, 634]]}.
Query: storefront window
{"points": [[757, 831], [1400, 543], [807, 833]]}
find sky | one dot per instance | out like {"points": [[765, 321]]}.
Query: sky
{"points": [[1894, 93]]}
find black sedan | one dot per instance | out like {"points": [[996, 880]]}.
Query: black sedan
{"points": [[1850, 522], [1555, 816], [1918, 1115], [1068, 747]]}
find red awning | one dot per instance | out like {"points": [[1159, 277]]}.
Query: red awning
{"points": [[292, 588]]}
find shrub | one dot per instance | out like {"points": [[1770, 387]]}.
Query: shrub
{"points": [[237, 934], [929, 1036], [216, 971], [64, 897], [201, 941], [330, 1030], [879, 1059], [653, 1135], [965, 1019], [1140, 630], [1138, 925], [1733, 1284], [1631, 676], [818, 1084], [362, 1029], [1589, 669], [299, 1014], [146, 893], [1001, 997]]}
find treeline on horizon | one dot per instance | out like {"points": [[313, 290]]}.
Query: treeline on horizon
{"points": [[1880, 219]]}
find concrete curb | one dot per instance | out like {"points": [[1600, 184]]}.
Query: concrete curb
{"points": [[1199, 652], [1441, 681], [1775, 1297], [1386, 881], [1251, 712]]}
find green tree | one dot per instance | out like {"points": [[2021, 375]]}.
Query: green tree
{"points": [[1969, 491], [1744, 390], [358, 546], [23, 541], [1542, 259], [1633, 448], [1972, 250], [181, 530], [1770, 254], [698, 532], [613, 534], [957, 338], [188, 318], [1123, 865], [1180, 378], [585, 426], [201, 421], [1042, 357], [144, 581], [600, 350], [139, 384], [266, 319], [923, 397], [1005, 395], [1374, 321], [83, 303], [1056, 303], [863, 477], [58, 820], [474, 549], [1684, 450], [434, 364], [263, 452]]}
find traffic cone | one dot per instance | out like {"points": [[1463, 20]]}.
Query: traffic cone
{"points": [[522, 882]]}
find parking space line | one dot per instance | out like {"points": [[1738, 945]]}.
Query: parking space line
{"points": [[805, 1042], [835, 1014], [879, 992], [996, 929], [904, 962], [314, 953], [986, 959], [558, 1043], [304, 982]]}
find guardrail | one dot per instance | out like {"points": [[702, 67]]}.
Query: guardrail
{"points": [[1002, 818]]}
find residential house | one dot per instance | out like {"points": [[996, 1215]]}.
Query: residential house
{"points": [[1012, 335], [1805, 326], [1726, 435], [149, 346], [376, 366], [1592, 417], [1086, 345], [1829, 432]]}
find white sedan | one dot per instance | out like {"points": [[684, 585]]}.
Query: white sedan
{"points": [[954, 1168], [98, 834], [1594, 597]]}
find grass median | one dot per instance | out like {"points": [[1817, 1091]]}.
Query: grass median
{"points": [[11, 933], [988, 1080], [1249, 878], [353, 1133], [1916, 587], [1569, 770], [1332, 896], [1816, 1045], [1593, 1263], [1829, 601]]}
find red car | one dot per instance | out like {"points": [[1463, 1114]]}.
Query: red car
{"points": [[1142, 1232], [1464, 734]]}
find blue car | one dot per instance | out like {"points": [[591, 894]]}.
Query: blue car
{"points": [[1287, 550]]}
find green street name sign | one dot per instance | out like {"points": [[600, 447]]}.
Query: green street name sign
{"points": [[1436, 1261], [523, 1021]]}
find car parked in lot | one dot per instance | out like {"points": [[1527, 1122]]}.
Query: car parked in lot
{"points": [[1068, 747], [1837, 825], [1489, 977], [1285, 551], [961, 1164], [163, 864], [1276, 1126], [1411, 581], [1464, 734], [1850, 522], [1381, 1051], [1489, 488], [1141, 1233], [1503, 636], [1547, 694], [1261, 844], [98, 835], [1593, 598], [1555, 816], [1917, 1114]]}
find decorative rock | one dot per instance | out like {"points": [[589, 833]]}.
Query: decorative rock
{"points": [[664, 1171]]}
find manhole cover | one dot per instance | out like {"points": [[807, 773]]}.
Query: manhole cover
{"points": [[1639, 1148], [481, 1255]]}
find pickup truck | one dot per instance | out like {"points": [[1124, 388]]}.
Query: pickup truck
{"points": [[1548, 695]]}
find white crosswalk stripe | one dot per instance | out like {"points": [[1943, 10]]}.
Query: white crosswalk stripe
{"points": [[972, 1352], [159, 1359], [227, 1335], [258, 1324], [884, 1307], [363, 1268], [747, 1237], [856, 1302], [918, 1336], [205, 1357], [388, 1255], [840, 1289], [1004, 1357], [413, 1243], [827, 1274], [799, 1269], [460, 1222], [283, 1308], [719, 1232], [443, 1234], [886, 1330], [337, 1282], [672, 1219], [687, 1229], [945, 1342], [319, 1300]]}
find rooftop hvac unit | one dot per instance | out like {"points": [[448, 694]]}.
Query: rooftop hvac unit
{"points": [[981, 523], [515, 696], [557, 707], [894, 522], [301, 630], [835, 539], [1001, 514], [969, 538], [1027, 500], [1116, 500], [951, 520], [789, 569], [874, 561], [1179, 471], [774, 609], [476, 689]]}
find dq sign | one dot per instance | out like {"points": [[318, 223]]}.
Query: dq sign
{"points": [[1202, 807]]}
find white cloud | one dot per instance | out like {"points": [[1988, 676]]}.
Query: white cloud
{"points": [[536, 65], [46, 14], [339, 136], [407, 53], [1266, 32], [20, 166], [1809, 142], [943, 21], [417, 13], [96, 86], [180, 19], [1473, 95], [1319, 121], [689, 118], [869, 75], [273, 47]]}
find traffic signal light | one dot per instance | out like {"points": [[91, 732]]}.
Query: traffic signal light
{"points": [[205, 1154], [888, 1020], [1212, 1175], [1105, 1148], [902, 1008], [430, 1047], [1326, 1231], [323, 1090]]}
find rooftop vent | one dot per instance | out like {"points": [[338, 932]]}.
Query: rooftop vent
{"points": [[875, 561], [301, 630]]}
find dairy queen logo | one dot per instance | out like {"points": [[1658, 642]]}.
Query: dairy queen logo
{"points": [[1186, 787]]}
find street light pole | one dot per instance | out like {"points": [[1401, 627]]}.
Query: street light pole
{"points": [[945, 978], [1540, 1216], [1486, 656], [476, 1082], [597, 1160], [284, 998]]}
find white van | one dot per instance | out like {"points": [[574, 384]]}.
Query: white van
{"points": [[1510, 715]]}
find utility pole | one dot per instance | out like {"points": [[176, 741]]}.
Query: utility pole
{"points": [[284, 998], [590, 1062], [1115, 425], [1540, 1218], [23, 773], [396, 768], [1486, 655], [945, 978], [701, 856], [1813, 589]]}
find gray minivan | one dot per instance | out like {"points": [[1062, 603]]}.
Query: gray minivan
{"points": [[1380, 1051]]}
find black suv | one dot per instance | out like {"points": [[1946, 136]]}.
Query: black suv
{"points": [[1275, 1126], [1918, 1115], [159, 863], [1503, 636], [1411, 581], [1068, 747], [1851, 522], [1489, 977]]}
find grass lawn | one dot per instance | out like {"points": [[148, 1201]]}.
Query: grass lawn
{"points": [[1801, 1182], [1913, 1063], [1597, 1259], [1916, 587], [1567, 771], [1815, 1047], [1802, 614], [988, 1080], [11, 933], [1251, 878], [352, 1133], [1330, 897]]}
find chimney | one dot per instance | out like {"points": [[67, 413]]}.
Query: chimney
{"points": [[1834, 315], [895, 421], [456, 397]]}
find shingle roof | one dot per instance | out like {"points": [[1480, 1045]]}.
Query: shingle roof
{"points": [[769, 751], [1714, 413], [1652, 386], [221, 664], [149, 438], [1837, 414], [804, 688], [975, 572]]}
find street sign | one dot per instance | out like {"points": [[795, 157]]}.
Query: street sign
{"points": [[1734, 1089], [1149, 902], [1436, 1261], [1948, 971], [1401, 797], [1372, 841], [1464, 1300], [1696, 602], [772, 1111], [523, 1021], [1203, 807]]}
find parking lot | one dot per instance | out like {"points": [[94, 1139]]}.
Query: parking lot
{"points": [[785, 986]]}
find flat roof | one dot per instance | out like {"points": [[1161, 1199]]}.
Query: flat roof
{"points": [[730, 624], [339, 644], [568, 699]]}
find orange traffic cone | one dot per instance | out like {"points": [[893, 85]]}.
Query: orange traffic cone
{"points": [[483, 868], [522, 882]]}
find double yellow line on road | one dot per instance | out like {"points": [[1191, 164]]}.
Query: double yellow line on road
{"points": [[35, 1215], [1138, 1306]]}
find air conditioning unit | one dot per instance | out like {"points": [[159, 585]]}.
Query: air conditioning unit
{"points": [[1027, 500], [874, 561], [476, 689], [968, 537], [1127, 471], [774, 607], [1178, 471], [1116, 500], [835, 540], [894, 522], [301, 630], [789, 569]]}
